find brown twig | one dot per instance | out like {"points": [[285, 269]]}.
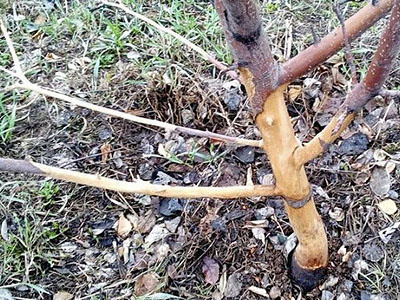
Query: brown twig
{"points": [[138, 186], [27, 85], [349, 56], [185, 41]]}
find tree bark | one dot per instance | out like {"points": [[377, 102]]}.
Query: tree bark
{"points": [[378, 71], [259, 71]]}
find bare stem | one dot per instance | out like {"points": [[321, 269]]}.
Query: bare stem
{"points": [[185, 41], [349, 56], [138, 186]]}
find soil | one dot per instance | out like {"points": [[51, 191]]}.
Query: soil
{"points": [[82, 252]]}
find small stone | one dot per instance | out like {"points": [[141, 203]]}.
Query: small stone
{"points": [[393, 195], [265, 281], [63, 118], [327, 295], [245, 154], [173, 224], [233, 286], [232, 99], [105, 134], [275, 292], [264, 213], [191, 177], [342, 296], [348, 285], [219, 225], [187, 116], [170, 207], [145, 171], [373, 252], [380, 181], [164, 178], [148, 149], [354, 145], [365, 295]]}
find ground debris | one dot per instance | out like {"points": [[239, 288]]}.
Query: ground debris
{"points": [[210, 270], [146, 284], [233, 286]]}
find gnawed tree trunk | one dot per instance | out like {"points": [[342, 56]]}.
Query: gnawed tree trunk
{"points": [[260, 74], [265, 83]]}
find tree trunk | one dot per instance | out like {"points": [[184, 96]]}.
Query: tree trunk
{"points": [[260, 74]]}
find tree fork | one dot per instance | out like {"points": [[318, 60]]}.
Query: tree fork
{"points": [[260, 74]]}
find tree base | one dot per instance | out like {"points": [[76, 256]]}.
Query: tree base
{"points": [[307, 279]]}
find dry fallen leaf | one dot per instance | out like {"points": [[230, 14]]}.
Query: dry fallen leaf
{"points": [[40, 20], [124, 226], [210, 270], [105, 150], [259, 234], [388, 206], [380, 181], [146, 284], [337, 214], [294, 92], [258, 291], [63, 296]]}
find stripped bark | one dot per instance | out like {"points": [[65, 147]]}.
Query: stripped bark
{"points": [[250, 48], [259, 71], [378, 71], [137, 186]]}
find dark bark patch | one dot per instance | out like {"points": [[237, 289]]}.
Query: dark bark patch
{"points": [[307, 279], [248, 39]]}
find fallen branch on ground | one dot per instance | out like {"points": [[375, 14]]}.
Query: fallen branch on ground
{"points": [[27, 85], [138, 186]]}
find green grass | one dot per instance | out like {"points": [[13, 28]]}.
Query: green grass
{"points": [[7, 121]]}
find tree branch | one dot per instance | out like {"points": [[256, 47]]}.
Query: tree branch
{"points": [[307, 59], [138, 186], [27, 85], [378, 71], [185, 41], [249, 45], [349, 56]]}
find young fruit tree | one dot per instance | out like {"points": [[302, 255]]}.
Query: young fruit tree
{"points": [[265, 81]]}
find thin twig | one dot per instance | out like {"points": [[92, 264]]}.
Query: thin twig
{"points": [[27, 85], [138, 186], [141, 120], [349, 56], [390, 93], [19, 73], [185, 41]]}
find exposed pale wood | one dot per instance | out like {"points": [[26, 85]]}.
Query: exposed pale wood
{"points": [[242, 26], [249, 45], [312, 56], [138, 186], [274, 124]]}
